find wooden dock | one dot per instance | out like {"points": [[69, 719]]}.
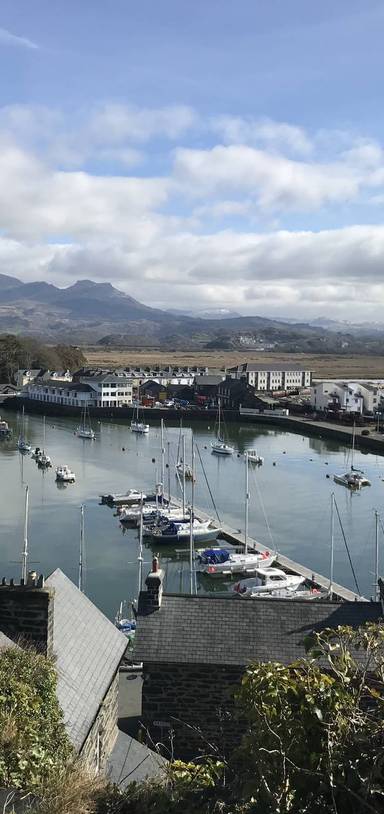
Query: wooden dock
{"points": [[236, 539]]}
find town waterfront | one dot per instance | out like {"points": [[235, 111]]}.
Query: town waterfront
{"points": [[289, 506]]}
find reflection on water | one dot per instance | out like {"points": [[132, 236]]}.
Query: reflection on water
{"points": [[289, 506]]}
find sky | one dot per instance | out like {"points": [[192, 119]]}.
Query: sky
{"points": [[214, 154]]}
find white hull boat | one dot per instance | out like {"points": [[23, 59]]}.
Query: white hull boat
{"points": [[267, 581], [220, 447], [181, 533], [254, 457], [65, 475], [352, 480], [187, 473], [85, 430], [23, 445], [139, 427], [44, 461], [132, 515], [221, 562]]}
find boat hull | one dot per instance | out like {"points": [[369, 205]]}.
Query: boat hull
{"points": [[228, 568], [184, 537], [222, 450]]}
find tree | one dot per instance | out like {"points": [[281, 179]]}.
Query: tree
{"points": [[34, 745]]}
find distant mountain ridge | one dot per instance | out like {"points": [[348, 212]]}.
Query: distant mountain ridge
{"points": [[88, 312]]}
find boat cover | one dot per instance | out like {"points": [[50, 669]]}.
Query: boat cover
{"points": [[213, 556]]}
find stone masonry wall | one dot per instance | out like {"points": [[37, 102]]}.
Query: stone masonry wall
{"points": [[104, 726], [26, 613], [180, 700]]}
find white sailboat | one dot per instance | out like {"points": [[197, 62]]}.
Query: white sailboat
{"points": [[355, 478], [85, 429], [139, 426], [183, 469], [268, 581], [254, 457], [222, 562], [23, 444], [43, 460], [220, 447], [64, 474]]}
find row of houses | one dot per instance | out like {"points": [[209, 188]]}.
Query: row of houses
{"points": [[364, 397]]}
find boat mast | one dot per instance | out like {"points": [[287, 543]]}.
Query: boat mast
{"points": [[246, 503], [191, 521], [169, 471], [43, 433], [330, 589], [376, 591], [162, 456], [140, 556], [24, 560], [353, 444], [183, 449], [81, 550], [219, 420]]}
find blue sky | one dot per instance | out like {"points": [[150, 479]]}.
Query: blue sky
{"points": [[206, 154]]}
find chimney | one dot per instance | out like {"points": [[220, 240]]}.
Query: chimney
{"points": [[154, 583], [26, 612]]}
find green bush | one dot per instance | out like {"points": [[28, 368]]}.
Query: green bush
{"points": [[33, 740]]}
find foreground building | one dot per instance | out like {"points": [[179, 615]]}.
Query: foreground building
{"points": [[61, 621], [195, 649], [106, 390], [272, 376]]}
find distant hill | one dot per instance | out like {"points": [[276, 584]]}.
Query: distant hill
{"points": [[88, 312]]}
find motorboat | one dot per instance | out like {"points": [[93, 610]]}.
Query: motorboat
{"points": [[184, 471], [84, 430], [254, 457], [220, 447], [140, 427], [36, 453], [222, 562], [5, 430], [65, 475], [309, 594], [126, 625], [43, 460], [126, 499], [266, 581], [181, 532], [354, 479], [150, 513]]}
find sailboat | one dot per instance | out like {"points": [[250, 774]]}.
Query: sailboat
{"points": [[220, 447], [23, 444], [85, 430], [136, 425], [43, 460], [221, 562], [126, 624], [183, 469], [355, 478]]}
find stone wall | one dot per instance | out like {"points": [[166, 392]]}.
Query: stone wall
{"points": [[193, 705], [26, 613], [103, 733]]}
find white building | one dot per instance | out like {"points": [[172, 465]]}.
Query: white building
{"points": [[23, 377], [102, 391], [273, 376], [347, 396]]}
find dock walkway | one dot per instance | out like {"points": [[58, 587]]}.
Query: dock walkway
{"points": [[236, 538]]}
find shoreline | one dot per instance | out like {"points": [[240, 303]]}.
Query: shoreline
{"points": [[374, 442]]}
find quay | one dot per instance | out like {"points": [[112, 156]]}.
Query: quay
{"points": [[236, 539]]}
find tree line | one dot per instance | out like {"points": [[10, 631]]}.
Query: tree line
{"points": [[18, 352]]}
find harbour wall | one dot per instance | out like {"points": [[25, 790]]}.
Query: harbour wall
{"points": [[320, 429]]}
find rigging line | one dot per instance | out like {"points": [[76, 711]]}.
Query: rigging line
{"points": [[207, 482], [263, 510], [347, 548]]}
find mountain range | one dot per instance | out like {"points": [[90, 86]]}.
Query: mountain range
{"points": [[88, 312]]}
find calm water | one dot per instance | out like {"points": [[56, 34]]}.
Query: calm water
{"points": [[289, 505]]}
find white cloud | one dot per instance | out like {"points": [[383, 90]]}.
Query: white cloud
{"points": [[265, 132], [6, 38], [116, 123]]}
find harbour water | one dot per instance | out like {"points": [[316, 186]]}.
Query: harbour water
{"points": [[289, 505]]}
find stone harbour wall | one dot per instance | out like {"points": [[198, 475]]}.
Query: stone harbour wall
{"points": [[26, 613], [102, 736], [190, 708]]}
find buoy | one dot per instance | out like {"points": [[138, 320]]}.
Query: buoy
{"points": [[153, 460], [123, 449], [274, 463], [284, 452], [326, 463], [205, 447], [327, 476]]}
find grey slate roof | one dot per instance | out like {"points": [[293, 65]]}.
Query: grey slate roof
{"points": [[230, 630], [208, 380], [88, 650], [133, 761], [5, 642]]}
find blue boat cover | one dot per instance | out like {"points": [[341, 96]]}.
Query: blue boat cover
{"points": [[215, 555]]}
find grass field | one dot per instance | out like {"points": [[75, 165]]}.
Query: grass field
{"points": [[359, 367]]}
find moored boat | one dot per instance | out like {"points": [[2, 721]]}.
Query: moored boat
{"points": [[222, 562], [266, 581], [181, 532], [65, 475], [84, 430], [254, 457], [220, 447]]}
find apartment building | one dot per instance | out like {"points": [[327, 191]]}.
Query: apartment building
{"points": [[272, 376]]}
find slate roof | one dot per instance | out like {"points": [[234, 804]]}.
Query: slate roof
{"points": [[88, 650], [5, 642], [230, 630], [211, 380], [133, 761]]}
